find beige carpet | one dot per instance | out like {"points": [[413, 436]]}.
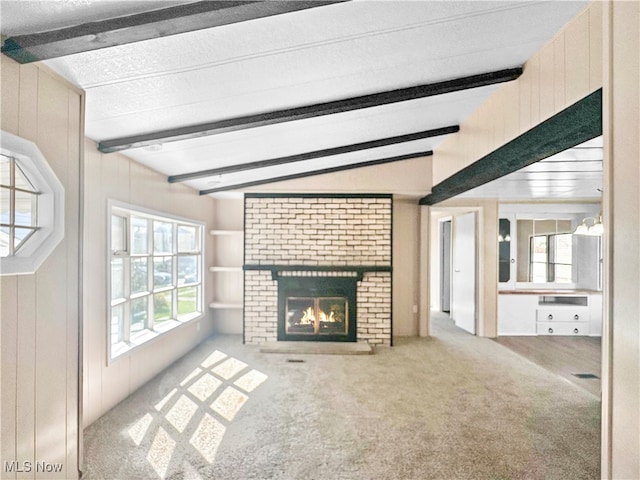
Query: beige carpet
{"points": [[450, 407]]}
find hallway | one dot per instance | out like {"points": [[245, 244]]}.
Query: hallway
{"points": [[452, 406]]}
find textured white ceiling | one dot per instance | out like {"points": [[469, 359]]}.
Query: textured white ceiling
{"points": [[284, 61], [302, 58], [21, 17]]}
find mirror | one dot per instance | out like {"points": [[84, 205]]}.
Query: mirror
{"points": [[504, 250], [545, 251]]}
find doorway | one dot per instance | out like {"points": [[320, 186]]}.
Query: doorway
{"points": [[454, 254], [463, 281]]}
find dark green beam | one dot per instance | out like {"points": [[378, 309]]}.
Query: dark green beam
{"points": [[574, 125]]}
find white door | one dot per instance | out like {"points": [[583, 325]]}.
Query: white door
{"points": [[463, 285]]}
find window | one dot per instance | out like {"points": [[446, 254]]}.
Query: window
{"points": [[31, 206], [156, 275], [19, 200], [551, 258]]}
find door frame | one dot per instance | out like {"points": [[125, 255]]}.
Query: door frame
{"points": [[454, 235], [441, 212], [445, 263]]}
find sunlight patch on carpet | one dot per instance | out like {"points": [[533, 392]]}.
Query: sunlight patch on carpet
{"points": [[204, 387], [214, 358], [250, 381], [161, 451], [229, 368], [181, 413], [229, 403], [139, 429], [207, 437]]}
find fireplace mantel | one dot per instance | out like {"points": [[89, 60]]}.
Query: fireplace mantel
{"points": [[359, 270]]}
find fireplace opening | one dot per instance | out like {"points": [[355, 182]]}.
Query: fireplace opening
{"points": [[319, 309], [317, 316]]}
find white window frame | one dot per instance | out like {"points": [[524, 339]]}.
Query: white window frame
{"points": [[50, 206], [129, 341]]}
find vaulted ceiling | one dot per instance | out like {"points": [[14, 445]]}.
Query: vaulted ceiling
{"points": [[222, 95]]}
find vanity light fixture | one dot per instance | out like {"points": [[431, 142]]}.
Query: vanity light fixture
{"points": [[595, 229]]}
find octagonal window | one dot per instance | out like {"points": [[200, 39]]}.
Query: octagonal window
{"points": [[31, 206], [18, 207]]}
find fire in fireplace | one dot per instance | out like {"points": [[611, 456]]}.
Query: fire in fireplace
{"points": [[317, 308], [317, 315]]}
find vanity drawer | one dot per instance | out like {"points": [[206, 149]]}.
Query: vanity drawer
{"points": [[562, 328], [563, 314]]}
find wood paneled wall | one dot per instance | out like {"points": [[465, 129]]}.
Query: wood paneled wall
{"points": [[40, 312], [566, 69], [406, 244], [621, 332], [116, 177]]}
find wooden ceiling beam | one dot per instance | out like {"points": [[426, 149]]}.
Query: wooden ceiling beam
{"points": [[572, 126], [311, 173], [309, 111], [315, 154], [146, 26]]}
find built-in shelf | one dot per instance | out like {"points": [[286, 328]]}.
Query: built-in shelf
{"points": [[221, 305], [225, 269], [226, 232], [228, 245]]}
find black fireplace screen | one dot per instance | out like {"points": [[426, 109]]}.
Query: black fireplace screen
{"points": [[312, 308]]}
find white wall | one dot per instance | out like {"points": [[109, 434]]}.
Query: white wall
{"points": [[40, 312], [116, 177]]}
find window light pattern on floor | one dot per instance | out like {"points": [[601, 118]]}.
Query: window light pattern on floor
{"points": [[197, 413]]}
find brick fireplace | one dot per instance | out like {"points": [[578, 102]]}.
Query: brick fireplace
{"points": [[317, 267]]}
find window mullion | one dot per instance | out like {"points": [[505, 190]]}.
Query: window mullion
{"points": [[126, 327], [549, 254], [174, 268], [12, 207]]}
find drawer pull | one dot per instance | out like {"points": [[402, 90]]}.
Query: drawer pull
{"points": [[550, 317], [575, 330], [576, 317], [551, 330]]}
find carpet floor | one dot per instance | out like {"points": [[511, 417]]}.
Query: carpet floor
{"points": [[452, 406]]}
